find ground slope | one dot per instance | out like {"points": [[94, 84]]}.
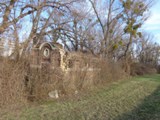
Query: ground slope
{"points": [[134, 99]]}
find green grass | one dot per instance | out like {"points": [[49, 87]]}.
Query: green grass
{"points": [[134, 99]]}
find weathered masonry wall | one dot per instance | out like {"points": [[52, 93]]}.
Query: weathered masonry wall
{"points": [[55, 57]]}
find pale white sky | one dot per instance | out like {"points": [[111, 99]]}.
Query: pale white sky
{"points": [[152, 25]]}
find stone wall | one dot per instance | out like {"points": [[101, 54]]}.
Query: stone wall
{"points": [[59, 58]]}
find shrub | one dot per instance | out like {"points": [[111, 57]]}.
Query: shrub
{"points": [[142, 69], [99, 72], [12, 78], [19, 82]]}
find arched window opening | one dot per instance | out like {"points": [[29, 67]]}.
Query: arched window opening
{"points": [[46, 52]]}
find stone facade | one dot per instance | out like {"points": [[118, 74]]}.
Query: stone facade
{"points": [[45, 54], [53, 55]]}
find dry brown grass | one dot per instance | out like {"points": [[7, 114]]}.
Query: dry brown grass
{"points": [[158, 69], [142, 69], [12, 77], [42, 81], [98, 73], [20, 83]]}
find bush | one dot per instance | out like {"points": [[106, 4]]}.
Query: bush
{"points": [[19, 82], [101, 72], [12, 78], [142, 69], [158, 69]]}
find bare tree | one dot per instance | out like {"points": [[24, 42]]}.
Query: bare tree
{"points": [[112, 15], [134, 14]]}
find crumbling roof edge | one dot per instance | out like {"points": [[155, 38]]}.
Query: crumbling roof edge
{"points": [[52, 46]]}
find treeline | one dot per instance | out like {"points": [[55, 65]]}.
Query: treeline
{"points": [[107, 29], [110, 29]]}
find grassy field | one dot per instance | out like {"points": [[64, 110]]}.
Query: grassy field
{"points": [[134, 99]]}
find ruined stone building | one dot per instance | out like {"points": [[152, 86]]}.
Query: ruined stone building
{"points": [[47, 53], [53, 55]]}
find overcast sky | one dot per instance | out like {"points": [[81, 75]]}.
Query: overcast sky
{"points": [[152, 25]]}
